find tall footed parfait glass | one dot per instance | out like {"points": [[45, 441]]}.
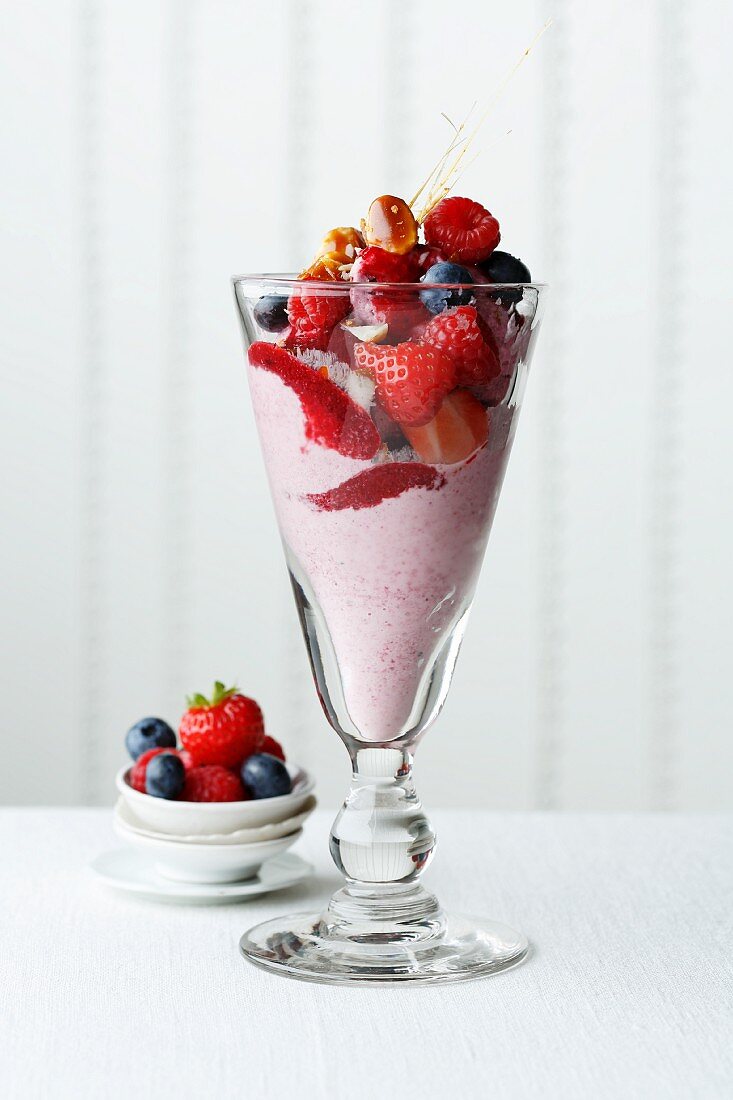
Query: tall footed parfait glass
{"points": [[385, 434]]}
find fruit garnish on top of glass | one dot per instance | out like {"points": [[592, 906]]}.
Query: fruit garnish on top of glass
{"points": [[386, 381]]}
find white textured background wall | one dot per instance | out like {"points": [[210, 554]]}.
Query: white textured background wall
{"points": [[150, 150]]}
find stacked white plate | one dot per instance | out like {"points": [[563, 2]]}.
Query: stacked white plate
{"points": [[212, 842]]}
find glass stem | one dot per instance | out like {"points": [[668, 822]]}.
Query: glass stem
{"points": [[382, 841]]}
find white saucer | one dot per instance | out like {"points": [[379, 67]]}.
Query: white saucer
{"points": [[125, 869]]}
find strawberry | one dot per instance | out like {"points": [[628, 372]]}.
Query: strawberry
{"points": [[458, 429], [463, 229], [377, 483], [463, 337], [411, 379], [331, 417], [221, 730], [213, 783], [313, 317]]}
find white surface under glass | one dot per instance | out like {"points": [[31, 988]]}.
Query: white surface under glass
{"points": [[627, 993]]}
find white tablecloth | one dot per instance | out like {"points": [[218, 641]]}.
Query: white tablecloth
{"points": [[629, 992]]}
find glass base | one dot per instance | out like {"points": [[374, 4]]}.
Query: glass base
{"points": [[314, 948]]}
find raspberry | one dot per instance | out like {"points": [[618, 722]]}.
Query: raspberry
{"points": [[463, 229], [140, 767], [462, 336], [412, 379], [213, 783], [221, 730], [269, 744], [378, 483], [313, 317], [331, 417]]}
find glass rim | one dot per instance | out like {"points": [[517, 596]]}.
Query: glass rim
{"points": [[291, 281]]}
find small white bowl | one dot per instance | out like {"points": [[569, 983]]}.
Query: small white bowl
{"points": [[163, 815], [205, 863], [271, 831]]}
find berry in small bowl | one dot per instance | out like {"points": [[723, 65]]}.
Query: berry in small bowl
{"points": [[223, 729], [165, 776], [264, 776], [229, 774], [149, 733]]}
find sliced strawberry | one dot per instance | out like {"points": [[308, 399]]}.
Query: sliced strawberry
{"points": [[376, 484], [459, 428], [331, 417], [463, 229], [411, 379]]}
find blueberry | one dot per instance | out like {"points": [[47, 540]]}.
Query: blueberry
{"points": [[503, 268], [149, 733], [265, 776], [165, 776], [435, 299], [271, 312]]}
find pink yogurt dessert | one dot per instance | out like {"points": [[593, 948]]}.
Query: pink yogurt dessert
{"points": [[385, 546], [386, 380]]}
